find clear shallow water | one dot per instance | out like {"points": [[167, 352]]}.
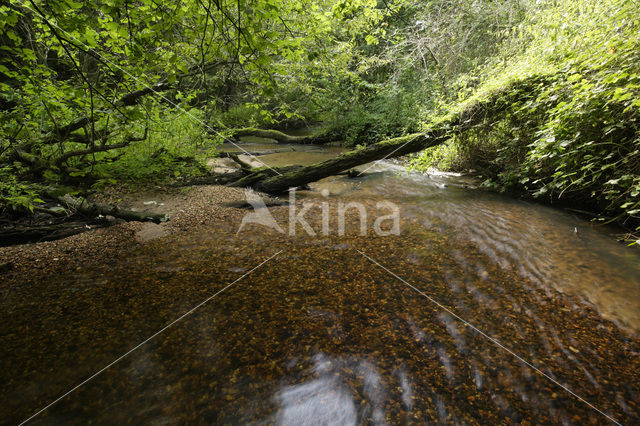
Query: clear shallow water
{"points": [[321, 334], [549, 247]]}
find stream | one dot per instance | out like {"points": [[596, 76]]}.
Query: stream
{"points": [[482, 310]]}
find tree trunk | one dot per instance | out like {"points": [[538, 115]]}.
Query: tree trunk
{"points": [[34, 234], [89, 208], [280, 137], [474, 113], [279, 181]]}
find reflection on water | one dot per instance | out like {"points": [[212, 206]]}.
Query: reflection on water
{"points": [[320, 335]]}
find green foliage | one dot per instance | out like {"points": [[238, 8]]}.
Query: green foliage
{"points": [[16, 196], [390, 79], [576, 135], [177, 145], [226, 63], [64, 62]]}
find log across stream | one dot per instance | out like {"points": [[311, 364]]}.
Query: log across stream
{"points": [[274, 181]]}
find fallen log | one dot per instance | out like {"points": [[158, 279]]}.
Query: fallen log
{"points": [[85, 207], [243, 165], [269, 181], [441, 130], [78, 215], [37, 233], [281, 137], [254, 177], [228, 154]]}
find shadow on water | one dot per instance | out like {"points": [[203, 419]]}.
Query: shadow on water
{"points": [[321, 335]]}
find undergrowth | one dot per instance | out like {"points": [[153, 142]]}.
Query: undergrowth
{"points": [[575, 137]]}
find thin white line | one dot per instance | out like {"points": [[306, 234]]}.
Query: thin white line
{"points": [[156, 92], [189, 312], [492, 340], [391, 153]]}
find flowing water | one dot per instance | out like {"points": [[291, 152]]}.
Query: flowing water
{"points": [[483, 310]]}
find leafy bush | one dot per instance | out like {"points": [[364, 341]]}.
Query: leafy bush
{"points": [[177, 144], [575, 136], [16, 196]]}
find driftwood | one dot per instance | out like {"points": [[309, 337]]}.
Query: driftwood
{"points": [[62, 227], [67, 224], [89, 208]]}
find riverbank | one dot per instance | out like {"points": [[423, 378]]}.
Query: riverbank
{"points": [[187, 208]]}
